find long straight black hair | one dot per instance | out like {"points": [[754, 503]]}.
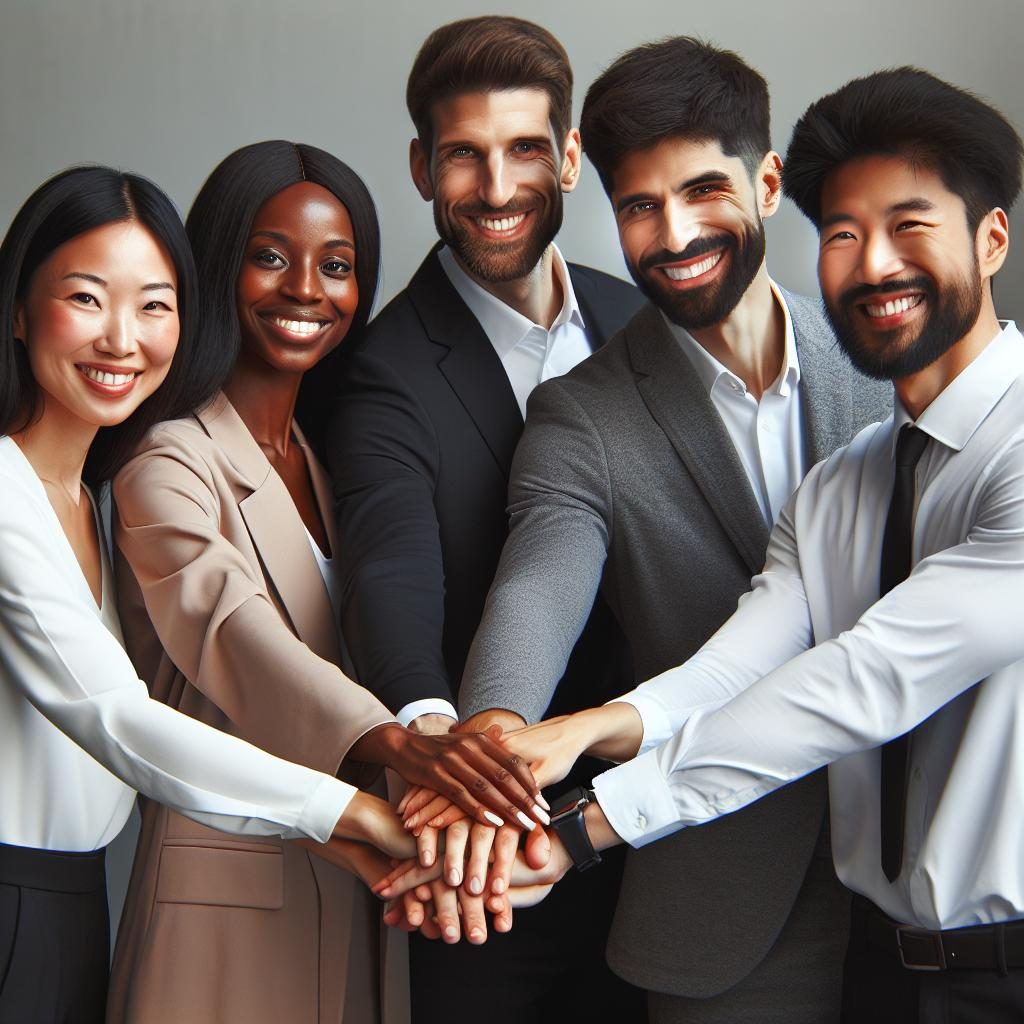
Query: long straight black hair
{"points": [[68, 205], [219, 225]]}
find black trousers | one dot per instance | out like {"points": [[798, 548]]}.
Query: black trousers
{"points": [[550, 968], [878, 989], [54, 937]]}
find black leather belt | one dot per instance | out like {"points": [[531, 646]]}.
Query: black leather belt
{"points": [[982, 947]]}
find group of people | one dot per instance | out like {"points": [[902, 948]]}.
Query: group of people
{"points": [[758, 550]]}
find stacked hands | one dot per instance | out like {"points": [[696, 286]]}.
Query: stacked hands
{"points": [[468, 837]]}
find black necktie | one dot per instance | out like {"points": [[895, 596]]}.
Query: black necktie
{"points": [[896, 553]]}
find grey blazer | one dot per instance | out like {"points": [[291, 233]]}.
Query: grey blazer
{"points": [[626, 479]]}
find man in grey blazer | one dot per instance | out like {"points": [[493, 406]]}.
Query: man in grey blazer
{"points": [[653, 472]]}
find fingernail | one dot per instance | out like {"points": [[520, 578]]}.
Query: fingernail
{"points": [[528, 823], [427, 858], [493, 819], [476, 886], [477, 934], [543, 802], [407, 824], [451, 932], [498, 886], [454, 877], [542, 814]]}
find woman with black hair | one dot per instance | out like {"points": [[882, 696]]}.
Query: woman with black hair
{"points": [[224, 522], [97, 302]]}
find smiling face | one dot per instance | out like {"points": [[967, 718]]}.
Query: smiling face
{"points": [[100, 324], [689, 220], [297, 292], [496, 178], [898, 265]]}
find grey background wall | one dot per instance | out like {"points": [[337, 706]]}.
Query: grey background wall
{"points": [[168, 88]]}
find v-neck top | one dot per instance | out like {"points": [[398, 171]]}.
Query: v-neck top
{"points": [[71, 699]]}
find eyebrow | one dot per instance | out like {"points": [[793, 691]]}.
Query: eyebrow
{"points": [[333, 243], [707, 178], [95, 279], [918, 205]]}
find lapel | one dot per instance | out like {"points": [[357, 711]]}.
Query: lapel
{"points": [[826, 382], [593, 327], [468, 362], [277, 531], [682, 408]]}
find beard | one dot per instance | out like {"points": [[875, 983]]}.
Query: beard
{"points": [[890, 355], [500, 261], [702, 307]]}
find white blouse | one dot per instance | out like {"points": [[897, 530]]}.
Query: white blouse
{"points": [[77, 725]]}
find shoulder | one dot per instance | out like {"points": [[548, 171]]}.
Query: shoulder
{"points": [[846, 466], [608, 297]]}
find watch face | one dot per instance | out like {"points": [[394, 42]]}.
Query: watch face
{"points": [[574, 800]]}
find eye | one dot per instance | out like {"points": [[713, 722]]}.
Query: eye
{"points": [[336, 265], [703, 191], [524, 148], [85, 299], [268, 258], [460, 153], [155, 305], [838, 236], [906, 225], [644, 206]]}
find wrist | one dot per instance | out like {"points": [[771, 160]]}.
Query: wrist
{"points": [[432, 724], [483, 720], [380, 745]]}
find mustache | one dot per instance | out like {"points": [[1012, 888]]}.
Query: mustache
{"points": [[698, 247], [865, 291], [510, 209]]}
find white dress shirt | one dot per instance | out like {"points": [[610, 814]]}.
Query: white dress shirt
{"points": [[75, 719], [529, 353], [768, 435], [821, 670]]}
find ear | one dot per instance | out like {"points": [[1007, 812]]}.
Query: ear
{"points": [[992, 242], [572, 161], [419, 167], [768, 184], [19, 322]]}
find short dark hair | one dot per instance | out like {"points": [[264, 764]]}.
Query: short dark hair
{"points": [[907, 112], [69, 204], [489, 54], [219, 224], [676, 88]]}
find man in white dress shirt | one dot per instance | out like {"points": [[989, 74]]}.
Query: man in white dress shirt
{"points": [[834, 656], [652, 473], [430, 410]]}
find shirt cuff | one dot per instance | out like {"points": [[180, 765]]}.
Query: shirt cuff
{"points": [[326, 804], [428, 706], [657, 725], [636, 800]]}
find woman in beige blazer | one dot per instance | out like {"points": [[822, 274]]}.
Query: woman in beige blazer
{"points": [[225, 535]]}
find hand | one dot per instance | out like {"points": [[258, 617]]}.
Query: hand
{"points": [[368, 819], [471, 770], [366, 863]]}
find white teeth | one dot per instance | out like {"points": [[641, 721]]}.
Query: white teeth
{"points": [[298, 326], [694, 270], [894, 306], [112, 379], [501, 223]]}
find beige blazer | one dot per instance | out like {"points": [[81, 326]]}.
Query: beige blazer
{"points": [[227, 618]]}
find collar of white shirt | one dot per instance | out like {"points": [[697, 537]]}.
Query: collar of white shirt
{"points": [[958, 410], [504, 327], [710, 370]]}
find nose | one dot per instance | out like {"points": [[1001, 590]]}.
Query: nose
{"points": [[119, 336], [302, 281], [879, 258], [498, 185], [679, 227]]}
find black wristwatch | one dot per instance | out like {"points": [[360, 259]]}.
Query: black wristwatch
{"points": [[567, 821]]}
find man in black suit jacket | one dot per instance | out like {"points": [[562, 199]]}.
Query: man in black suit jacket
{"points": [[420, 446]]}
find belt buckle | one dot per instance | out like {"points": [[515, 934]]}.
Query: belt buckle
{"points": [[939, 963]]}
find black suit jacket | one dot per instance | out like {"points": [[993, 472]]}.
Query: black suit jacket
{"points": [[419, 447]]}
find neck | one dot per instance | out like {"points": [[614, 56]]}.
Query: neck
{"points": [[56, 445], [750, 341], [265, 399], [537, 295], [919, 390]]}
